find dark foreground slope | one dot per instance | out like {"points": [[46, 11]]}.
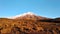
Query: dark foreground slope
{"points": [[29, 26]]}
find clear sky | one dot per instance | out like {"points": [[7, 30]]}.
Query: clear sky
{"points": [[47, 8]]}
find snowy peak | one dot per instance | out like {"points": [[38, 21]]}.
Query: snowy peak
{"points": [[29, 13], [23, 15]]}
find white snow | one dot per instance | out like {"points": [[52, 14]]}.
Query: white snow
{"points": [[20, 15]]}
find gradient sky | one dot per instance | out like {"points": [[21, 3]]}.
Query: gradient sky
{"points": [[47, 8]]}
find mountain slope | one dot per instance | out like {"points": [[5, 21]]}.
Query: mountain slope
{"points": [[29, 24]]}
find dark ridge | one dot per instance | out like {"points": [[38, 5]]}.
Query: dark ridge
{"points": [[58, 18], [50, 20]]}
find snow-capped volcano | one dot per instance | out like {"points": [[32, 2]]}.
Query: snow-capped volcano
{"points": [[28, 15], [23, 15]]}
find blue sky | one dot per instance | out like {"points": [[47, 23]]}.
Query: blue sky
{"points": [[47, 8]]}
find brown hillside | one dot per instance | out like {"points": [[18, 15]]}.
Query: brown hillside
{"points": [[29, 26]]}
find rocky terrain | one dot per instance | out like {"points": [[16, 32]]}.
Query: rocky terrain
{"points": [[30, 24]]}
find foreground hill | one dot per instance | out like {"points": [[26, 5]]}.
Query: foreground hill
{"points": [[30, 24]]}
